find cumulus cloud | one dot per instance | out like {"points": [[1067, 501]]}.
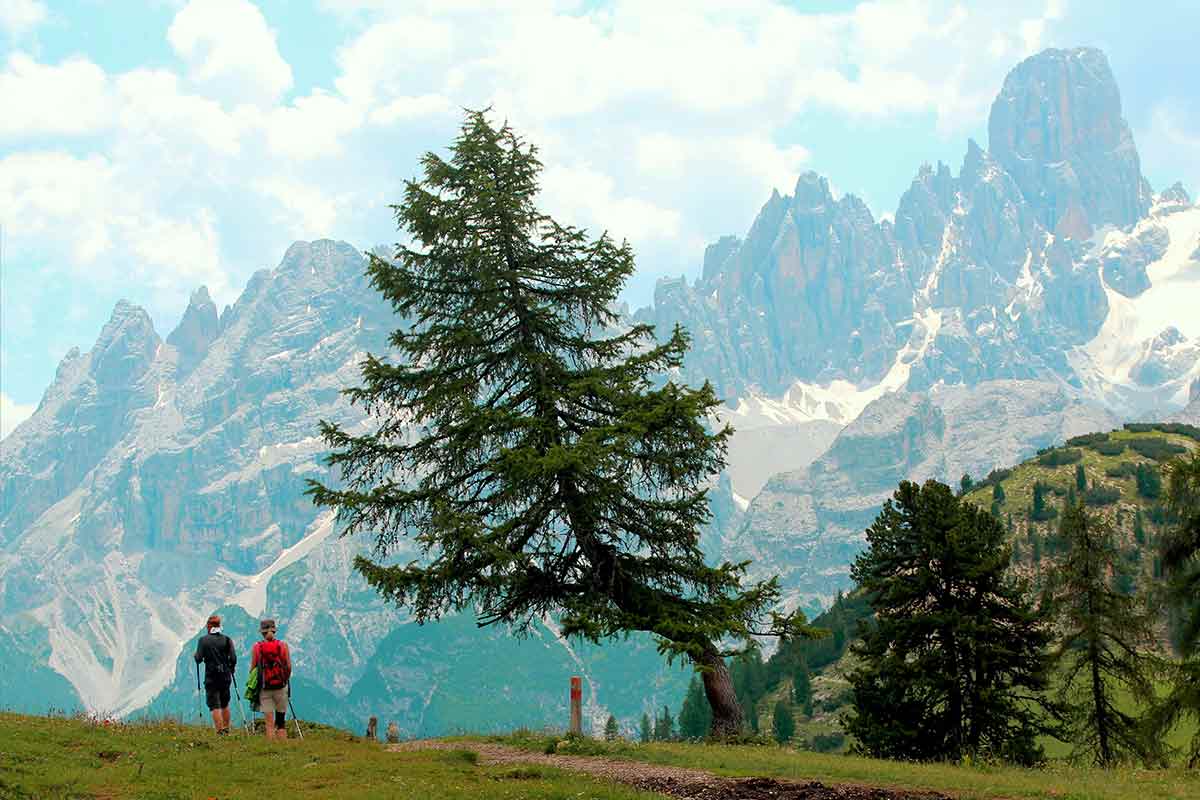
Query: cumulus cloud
{"points": [[19, 16], [67, 99], [587, 197], [13, 414], [111, 229], [230, 50], [304, 210]]}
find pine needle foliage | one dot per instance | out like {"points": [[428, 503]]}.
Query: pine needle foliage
{"points": [[1181, 566], [1106, 641], [525, 441], [956, 662]]}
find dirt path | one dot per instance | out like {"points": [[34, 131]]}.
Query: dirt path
{"points": [[691, 784]]}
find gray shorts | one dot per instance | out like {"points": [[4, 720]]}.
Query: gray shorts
{"points": [[272, 700]]}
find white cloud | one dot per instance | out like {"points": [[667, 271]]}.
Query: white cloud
{"points": [[98, 215], [152, 103], [313, 126], [406, 109], [305, 210], [230, 50], [13, 414], [19, 16], [69, 99], [376, 63], [752, 154], [584, 196]]}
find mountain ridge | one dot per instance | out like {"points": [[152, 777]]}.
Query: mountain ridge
{"points": [[161, 479]]}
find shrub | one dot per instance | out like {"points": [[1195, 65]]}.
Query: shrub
{"points": [[1060, 457], [1157, 448], [1102, 496], [1178, 428], [1110, 448], [828, 742], [1126, 469], [1087, 440]]}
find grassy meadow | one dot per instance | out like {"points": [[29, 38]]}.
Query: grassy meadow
{"points": [[969, 782], [53, 758]]}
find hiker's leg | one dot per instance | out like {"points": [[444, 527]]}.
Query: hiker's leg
{"points": [[216, 718], [270, 720], [225, 718]]}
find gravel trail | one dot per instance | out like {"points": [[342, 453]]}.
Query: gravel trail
{"points": [[679, 782]]}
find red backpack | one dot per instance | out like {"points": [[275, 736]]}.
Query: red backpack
{"points": [[273, 669]]}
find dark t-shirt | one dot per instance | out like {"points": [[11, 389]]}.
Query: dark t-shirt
{"points": [[217, 653]]}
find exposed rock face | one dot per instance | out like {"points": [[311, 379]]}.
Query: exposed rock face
{"points": [[807, 525], [1057, 129], [1191, 413], [197, 330], [986, 275]]}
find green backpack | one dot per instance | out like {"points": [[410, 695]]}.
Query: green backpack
{"points": [[253, 688]]}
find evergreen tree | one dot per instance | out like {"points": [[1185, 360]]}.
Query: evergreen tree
{"points": [[1041, 512], [783, 725], [1105, 643], [802, 687], [695, 717], [1180, 564], [664, 726], [645, 732], [965, 483], [998, 492], [957, 657], [1080, 477], [522, 440], [1149, 483], [1139, 528], [610, 729]]}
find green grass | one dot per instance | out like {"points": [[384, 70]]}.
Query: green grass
{"points": [[966, 782], [51, 758]]}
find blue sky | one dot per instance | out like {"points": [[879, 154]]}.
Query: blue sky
{"points": [[147, 148]]}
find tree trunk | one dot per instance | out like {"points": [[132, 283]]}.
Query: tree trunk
{"points": [[718, 688]]}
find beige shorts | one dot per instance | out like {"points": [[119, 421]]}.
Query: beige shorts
{"points": [[272, 700]]}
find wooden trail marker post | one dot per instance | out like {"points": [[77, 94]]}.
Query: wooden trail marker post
{"points": [[576, 705]]}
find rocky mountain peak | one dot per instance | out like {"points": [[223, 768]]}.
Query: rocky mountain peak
{"points": [[325, 257], [1056, 126], [125, 347], [716, 254], [197, 329], [811, 195], [1176, 193]]}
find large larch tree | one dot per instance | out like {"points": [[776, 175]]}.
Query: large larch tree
{"points": [[526, 439]]}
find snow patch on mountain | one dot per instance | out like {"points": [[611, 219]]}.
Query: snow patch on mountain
{"points": [[253, 598], [1137, 329]]}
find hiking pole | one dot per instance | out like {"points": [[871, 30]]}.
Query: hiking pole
{"points": [[199, 699], [241, 710], [295, 719]]}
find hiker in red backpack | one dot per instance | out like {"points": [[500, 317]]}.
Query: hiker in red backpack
{"points": [[274, 663]]}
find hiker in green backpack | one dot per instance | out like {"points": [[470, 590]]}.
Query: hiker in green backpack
{"points": [[219, 657], [274, 663]]}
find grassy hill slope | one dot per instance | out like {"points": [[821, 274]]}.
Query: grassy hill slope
{"points": [[49, 758]]}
